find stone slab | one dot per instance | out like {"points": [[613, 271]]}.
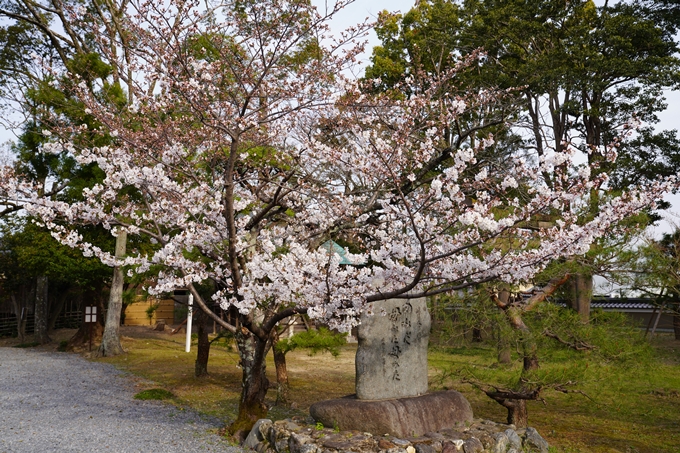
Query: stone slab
{"points": [[402, 417], [391, 359], [255, 436]]}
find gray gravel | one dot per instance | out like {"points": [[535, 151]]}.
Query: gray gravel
{"points": [[60, 402]]}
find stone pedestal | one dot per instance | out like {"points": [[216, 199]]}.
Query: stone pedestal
{"points": [[402, 417], [391, 378]]}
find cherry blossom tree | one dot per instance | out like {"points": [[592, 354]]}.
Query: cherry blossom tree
{"points": [[248, 147]]}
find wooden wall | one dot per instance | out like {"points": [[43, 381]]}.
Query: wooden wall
{"points": [[135, 314]]}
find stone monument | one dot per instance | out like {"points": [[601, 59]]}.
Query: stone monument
{"points": [[391, 378], [391, 360]]}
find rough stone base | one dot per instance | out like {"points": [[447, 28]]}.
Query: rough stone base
{"points": [[400, 417], [479, 436]]}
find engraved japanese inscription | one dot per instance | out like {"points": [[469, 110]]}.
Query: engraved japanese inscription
{"points": [[391, 360]]}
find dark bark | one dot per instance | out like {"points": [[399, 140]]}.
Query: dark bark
{"points": [[41, 311], [515, 401], [476, 335], [676, 322], [252, 351], [19, 310], [59, 300], [110, 345], [282, 384], [517, 413], [203, 351]]}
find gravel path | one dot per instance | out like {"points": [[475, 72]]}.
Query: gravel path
{"points": [[60, 402]]}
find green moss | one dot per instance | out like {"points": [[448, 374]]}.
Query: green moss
{"points": [[27, 345], [154, 394]]}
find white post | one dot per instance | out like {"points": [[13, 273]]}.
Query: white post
{"points": [[189, 315]]}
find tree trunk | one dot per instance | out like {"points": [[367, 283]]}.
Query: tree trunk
{"points": [[531, 361], [110, 345], [203, 354], [252, 351], [282, 384], [581, 293], [517, 413], [676, 322], [21, 320], [57, 306], [476, 335], [82, 336], [41, 311], [504, 353]]}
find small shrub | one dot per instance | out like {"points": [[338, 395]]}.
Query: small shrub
{"points": [[27, 345], [151, 310], [154, 394], [314, 341]]}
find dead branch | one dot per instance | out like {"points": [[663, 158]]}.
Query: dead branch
{"points": [[578, 345], [501, 393]]}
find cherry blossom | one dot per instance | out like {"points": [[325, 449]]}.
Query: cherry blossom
{"points": [[247, 147]]}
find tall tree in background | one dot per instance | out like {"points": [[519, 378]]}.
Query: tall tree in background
{"points": [[28, 253], [587, 71], [580, 74], [46, 42]]}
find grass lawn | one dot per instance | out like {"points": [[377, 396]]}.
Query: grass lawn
{"points": [[631, 409], [628, 408]]}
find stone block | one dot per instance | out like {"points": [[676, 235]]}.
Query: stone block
{"points": [[424, 448], [255, 436], [473, 445], [301, 443], [403, 417], [501, 443], [391, 359], [385, 444], [452, 446], [514, 439], [533, 442]]}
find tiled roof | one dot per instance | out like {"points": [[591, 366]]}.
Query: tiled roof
{"points": [[613, 303], [627, 305]]}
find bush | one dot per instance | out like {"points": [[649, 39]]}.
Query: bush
{"points": [[154, 394], [315, 341]]}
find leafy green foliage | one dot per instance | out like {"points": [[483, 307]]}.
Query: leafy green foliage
{"points": [[426, 38], [563, 340], [27, 345], [151, 309], [27, 251], [154, 394], [320, 340]]}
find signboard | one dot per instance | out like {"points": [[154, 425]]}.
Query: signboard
{"points": [[91, 314]]}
